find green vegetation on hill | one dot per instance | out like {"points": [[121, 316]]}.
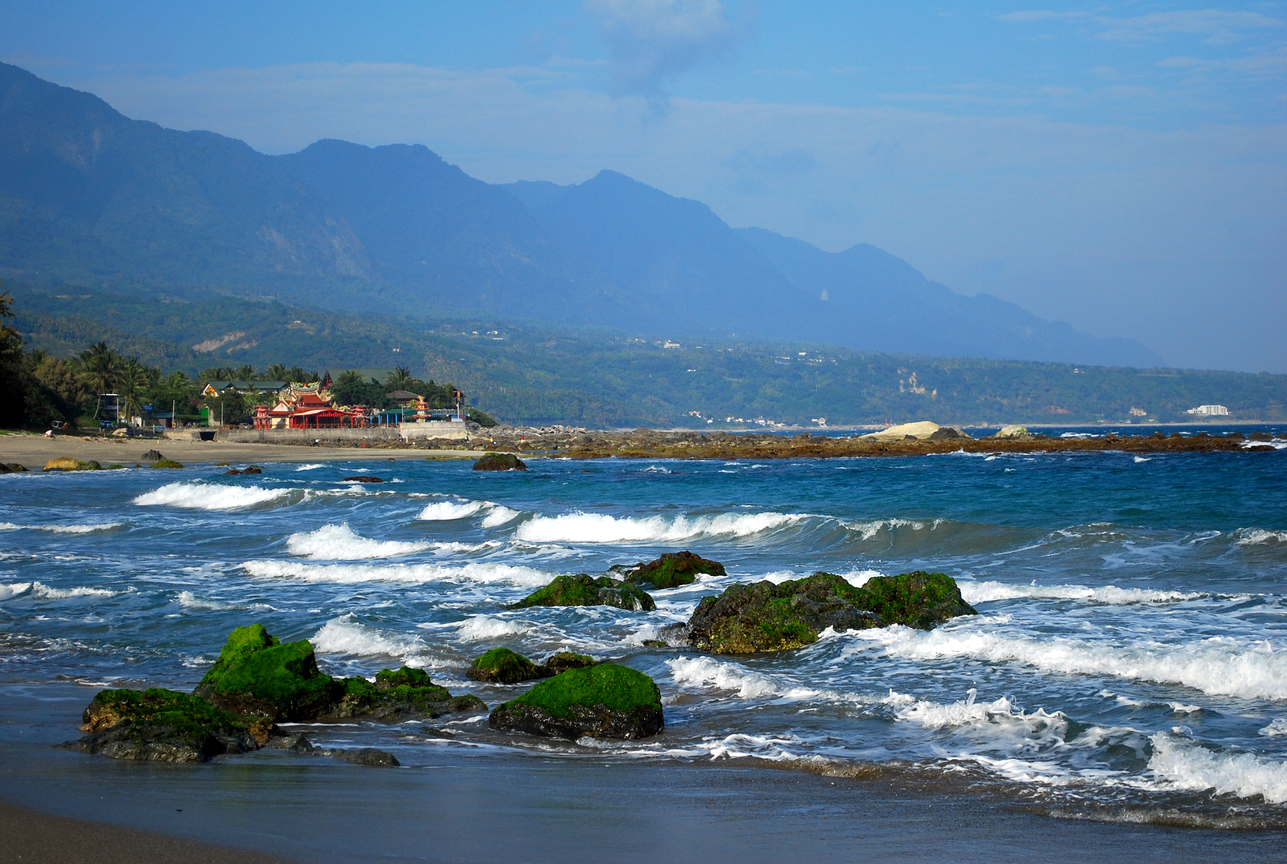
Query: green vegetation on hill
{"points": [[527, 373]]}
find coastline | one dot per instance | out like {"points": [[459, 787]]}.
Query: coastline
{"points": [[33, 451]]}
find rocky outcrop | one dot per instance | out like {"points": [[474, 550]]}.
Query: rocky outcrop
{"points": [[500, 462], [151, 456], [161, 726], [767, 617], [565, 660], [602, 701], [256, 675], [671, 570], [503, 666], [1013, 432], [362, 478], [166, 463], [583, 590], [11, 468]]}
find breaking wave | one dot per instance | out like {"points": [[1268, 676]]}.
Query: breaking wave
{"points": [[1179, 764], [582, 527], [62, 529], [483, 627], [341, 543], [998, 716], [868, 530], [1259, 536], [41, 591], [415, 574], [345, 635], [446, 510], [209, 496], [987, 592], [1220, 665]]}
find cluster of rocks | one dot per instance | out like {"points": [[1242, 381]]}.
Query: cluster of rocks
{"points": [[258, 681], [67, 463]]}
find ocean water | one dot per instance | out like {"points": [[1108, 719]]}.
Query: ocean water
{"points": [[1129, 661]]}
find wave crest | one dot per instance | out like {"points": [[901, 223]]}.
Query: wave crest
{"points": [[1181, 765], [209, 496], [342, 543], [579, 527]]}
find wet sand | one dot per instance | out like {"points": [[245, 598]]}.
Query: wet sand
{"points": [[31, 837]]}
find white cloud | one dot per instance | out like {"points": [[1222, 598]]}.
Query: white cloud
{"points": [[1220, 26], [651, 40]]}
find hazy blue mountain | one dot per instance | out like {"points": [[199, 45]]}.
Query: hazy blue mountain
{"points": [[686, 272], [879, 302], [91, 197]]}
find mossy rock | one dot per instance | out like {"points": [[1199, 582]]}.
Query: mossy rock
{"points": [[398, 695], [582, 590], [163, 726], [671, 570], [167, 463], [258, 675], [602, 701], [499, 462], [766, 617], [11, 468], [565, 660], [503, 666]]}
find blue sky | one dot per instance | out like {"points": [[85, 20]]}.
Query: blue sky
{"points": [[1120, 166]]}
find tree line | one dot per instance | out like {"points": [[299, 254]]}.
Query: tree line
{"points": [[38, 389]]}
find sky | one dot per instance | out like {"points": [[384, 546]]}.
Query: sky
{"points": [[1121, 166]]}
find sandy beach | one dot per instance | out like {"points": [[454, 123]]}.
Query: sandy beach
{"points": [[34, 451]]}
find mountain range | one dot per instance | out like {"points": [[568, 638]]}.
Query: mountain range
{"points": [[90, 197]]}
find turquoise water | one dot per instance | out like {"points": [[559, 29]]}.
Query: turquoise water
{"points": [[1129, 661]]}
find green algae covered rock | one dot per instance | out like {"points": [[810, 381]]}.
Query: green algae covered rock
{"points": [[582, 590], [398, 695], [766, 617], [499, 462], [671, 570], [503, 666], [565, 660], [258, 675], [166, 463], [160, 725], [602, 701]]}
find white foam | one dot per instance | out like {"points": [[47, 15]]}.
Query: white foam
{"points": [[447, 510], [1139, 459], [209, 496], [480, 628], [581, 527], [188, 600], [344, 635], [13, 589], [1219, 665], [40, 591], [1277, 444], [1179, 764], [707, 672], [347, 574], [341, 543], [1259, 536], [309, 467], [868, 530], [498, 515], [998, 716], [987, 592], [62, 529], [1276, 728]]}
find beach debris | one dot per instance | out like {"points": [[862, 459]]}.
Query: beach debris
{"points": [[500, 462], [763, 616], [671, 570], [580, 589], [503, 666], [160, 726], [606, 700], [362, 478], [166, 463]]}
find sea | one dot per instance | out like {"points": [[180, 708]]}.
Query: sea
{"points": [[1128, 663]]}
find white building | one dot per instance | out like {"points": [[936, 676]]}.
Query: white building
{"points": [[1209, 411]]}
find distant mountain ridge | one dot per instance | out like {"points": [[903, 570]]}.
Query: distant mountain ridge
{"points": [[91, 197]]}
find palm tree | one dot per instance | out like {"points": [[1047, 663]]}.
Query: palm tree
{"points": [[276, 372], [132, 386], [399, 379], [244, 373], [103, 368]]}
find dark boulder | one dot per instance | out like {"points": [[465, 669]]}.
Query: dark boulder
{"points": [[565, 660], [151, 456], [161, 726], [768, 617], [583, 590], [368, 756], [500, 462], [362, 478], [601, 701], [503, 666], [671, 570]]}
